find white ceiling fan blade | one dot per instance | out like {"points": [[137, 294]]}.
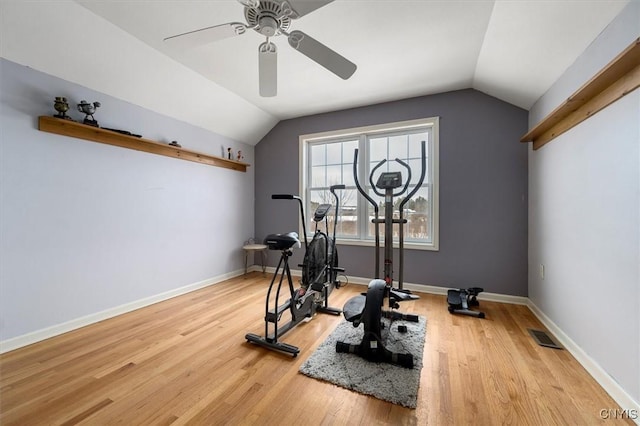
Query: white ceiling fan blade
{"points": [[303, 7], [268, 69], [313, 49], [251, 4], [206, 35]]}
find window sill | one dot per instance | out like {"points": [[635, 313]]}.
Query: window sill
{"points": [[367, 243]]}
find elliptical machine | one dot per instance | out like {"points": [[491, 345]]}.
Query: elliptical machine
{"points": [[368, 309], [319, 277]]}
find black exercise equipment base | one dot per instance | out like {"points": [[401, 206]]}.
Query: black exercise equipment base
{"points": [[272, 344], [367, 309], [461, 300]]}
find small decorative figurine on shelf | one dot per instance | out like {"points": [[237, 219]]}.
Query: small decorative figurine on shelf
{"points": [[229, 154], [89, 110], [240, 157], [175, 143], [62, 106]]}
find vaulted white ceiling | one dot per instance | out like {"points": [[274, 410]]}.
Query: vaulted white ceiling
{"points": [[511, 49]]}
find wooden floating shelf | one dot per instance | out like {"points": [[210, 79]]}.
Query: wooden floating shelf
{"points": [[618, 78], [82, 131]]}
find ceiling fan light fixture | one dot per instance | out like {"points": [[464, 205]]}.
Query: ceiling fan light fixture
{"points": [[268, 26]]}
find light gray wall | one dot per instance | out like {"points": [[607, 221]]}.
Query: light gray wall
{"points": [[584, 217], [483, 189], [87, 227]]}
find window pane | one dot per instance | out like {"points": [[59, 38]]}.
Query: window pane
{"points": [[318, 153], [334, 153], [415, 141], [398, 148], [334, 175], [348, 219], [416, 213], [347, 175], [347, 151], [416, 168], [377, 149], [318, 176]]}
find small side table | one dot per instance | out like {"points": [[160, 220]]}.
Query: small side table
{"points": [[255, 248]]}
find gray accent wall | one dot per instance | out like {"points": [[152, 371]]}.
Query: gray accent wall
{"points": [[483, 189], [87, 227]]}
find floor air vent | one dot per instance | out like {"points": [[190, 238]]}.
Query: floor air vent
{"points": [[543, 339]]}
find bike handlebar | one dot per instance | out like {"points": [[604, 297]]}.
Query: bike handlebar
{"points": [[332, 188], [295, 197]]}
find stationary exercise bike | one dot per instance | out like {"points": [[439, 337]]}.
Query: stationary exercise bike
{"points": [[368, 308], [319, 278]]}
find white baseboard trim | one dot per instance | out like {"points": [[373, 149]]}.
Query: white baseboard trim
{"points": [[421, 288], [609, 384], [55, 330]]}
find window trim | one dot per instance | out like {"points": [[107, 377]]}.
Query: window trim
{"points": [[433, 122]]}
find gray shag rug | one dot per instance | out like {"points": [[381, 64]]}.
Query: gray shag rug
{"points": [[388, 382]]}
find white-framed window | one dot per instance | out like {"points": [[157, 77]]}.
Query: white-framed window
{"points": [[327, 159]]}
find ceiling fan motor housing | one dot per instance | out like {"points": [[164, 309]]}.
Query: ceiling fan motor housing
{"points": [[268, 26], [269, 19]]}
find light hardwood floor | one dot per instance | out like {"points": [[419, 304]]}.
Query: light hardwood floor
{"points": [[186, 361]]}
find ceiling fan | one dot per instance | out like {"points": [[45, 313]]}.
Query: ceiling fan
{"points": [[272, 18]]}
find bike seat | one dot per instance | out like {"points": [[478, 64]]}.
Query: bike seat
{"points": [[352, 310], [282, 241]]}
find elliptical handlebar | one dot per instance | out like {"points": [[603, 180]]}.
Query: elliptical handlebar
{"points": [[355, 177], [373, 185], [373, 203], [295, 197], [401, 208], [333, 188], [408, 181], [420, 181], [380, 164]]}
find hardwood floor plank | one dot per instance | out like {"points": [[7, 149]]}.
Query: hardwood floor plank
{"points": [[185, 361], [87, 413]]}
